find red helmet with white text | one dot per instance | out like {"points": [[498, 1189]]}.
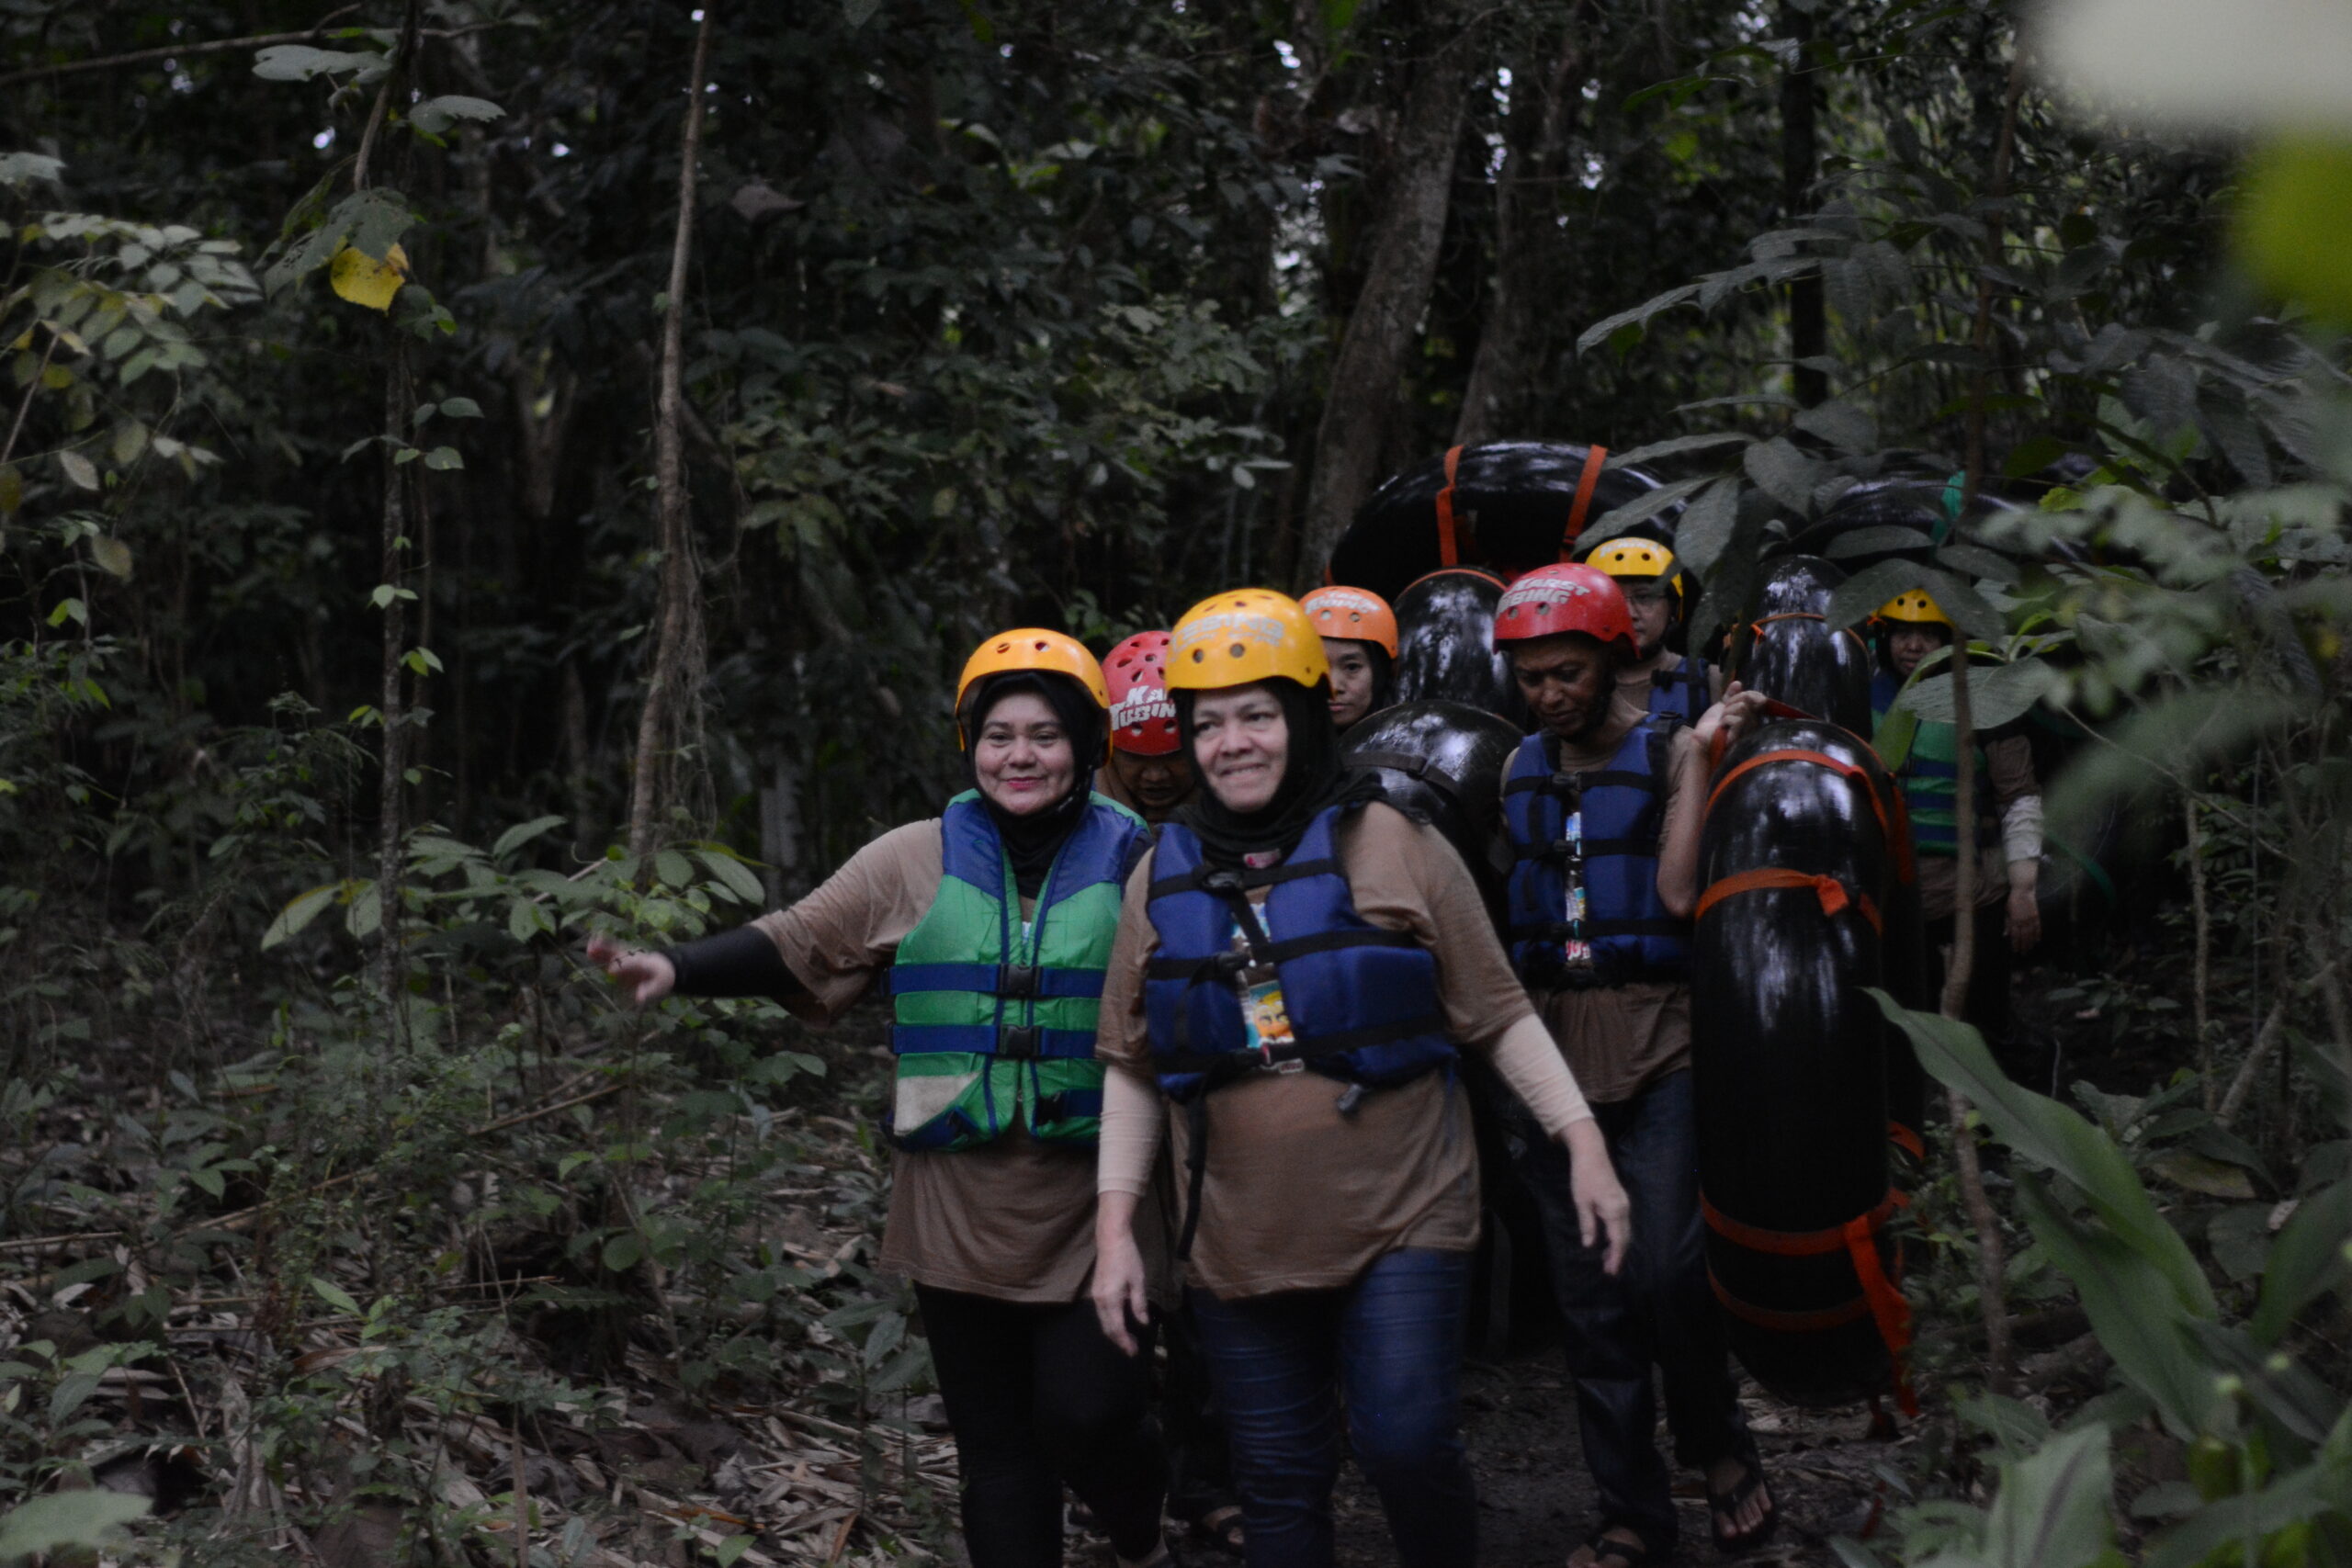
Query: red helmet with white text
{"points": [[1556, 600], [1143, 719]]}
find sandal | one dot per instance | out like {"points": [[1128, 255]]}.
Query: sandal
{"points": [[1218, 1526], [1727, 1502], [1608, 1550]]}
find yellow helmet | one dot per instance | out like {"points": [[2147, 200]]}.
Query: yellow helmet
{"points": [[1031, 648], [1627, 556], [1249, 634], [1915, 608]]}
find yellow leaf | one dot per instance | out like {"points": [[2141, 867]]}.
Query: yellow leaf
{"points": [[362, 279]]}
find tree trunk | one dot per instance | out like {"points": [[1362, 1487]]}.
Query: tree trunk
{"points": [[1387, 314], [390, 828], [1512, 347], [679, 620], [1800, 107]]}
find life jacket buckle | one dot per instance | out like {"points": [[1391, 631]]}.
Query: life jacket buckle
{"points": [[1228, 965], [1016, 980], [1017, 1043], [1222, 881]]}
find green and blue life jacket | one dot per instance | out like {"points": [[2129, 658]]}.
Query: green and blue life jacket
{"points": [[1621, 807], [1923, 757], [994, 1017]]}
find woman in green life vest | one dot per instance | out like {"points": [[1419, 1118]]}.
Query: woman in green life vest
{"points": [[2006, 837], [990, 926]]}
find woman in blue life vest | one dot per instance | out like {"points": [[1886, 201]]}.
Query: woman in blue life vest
{"points": [[1656, 677], [1298, 964], [990, 927], [1603, 805], [2007, 835]]}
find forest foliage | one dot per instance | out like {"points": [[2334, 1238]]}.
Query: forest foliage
{"points": [[335, 563]]}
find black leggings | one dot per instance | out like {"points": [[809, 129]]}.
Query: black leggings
{"points": [[1037, 1396]]}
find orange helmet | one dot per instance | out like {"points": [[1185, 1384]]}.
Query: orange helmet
{"points": [[1239, 638], [1034, 648], [1552, 600], [1143, 720], [1355, 613]]}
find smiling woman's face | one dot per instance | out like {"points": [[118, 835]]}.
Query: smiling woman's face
{"points": [[1024, 758], [1242, 744]]}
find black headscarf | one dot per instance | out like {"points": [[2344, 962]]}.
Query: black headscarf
{"points": [[1313, 780], [1030, 841]]}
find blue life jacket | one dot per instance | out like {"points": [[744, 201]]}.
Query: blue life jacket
{"points": [[1686, 692], [1362, 999], [1633, 936], [995, 1016]]}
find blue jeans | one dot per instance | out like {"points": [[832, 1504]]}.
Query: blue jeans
{"points": [[1658, 1310], [1389, 1347]]}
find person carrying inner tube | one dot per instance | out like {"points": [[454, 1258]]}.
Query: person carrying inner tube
{"points": [[990, 926], [1923, 757], [1656, 677], [1148, 773], [1298, 966], [1359, 632], [1602, 805]]}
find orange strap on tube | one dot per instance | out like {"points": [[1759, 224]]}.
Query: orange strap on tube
{"points": [[1892, 823], [1857, 1238], [1447, 554], [1906, 1139], [1834, 896], [1595, 457]]}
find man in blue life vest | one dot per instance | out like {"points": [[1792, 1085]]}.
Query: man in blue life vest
{"points": [[1656, 677], [1602, 804], [2007, 835]]}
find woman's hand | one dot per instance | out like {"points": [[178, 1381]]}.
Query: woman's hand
{"points": [[646, 976], [1730, 717], [1604, 1212], [1120, 1297]]}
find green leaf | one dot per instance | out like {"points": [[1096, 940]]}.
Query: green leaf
{"points": [[71, 1394], [857, 13], [1700, 537], [2193, 1172], [441, 459], [112, 554], [1785, 474], [1859, 597], [460, 408], [1997, 694], [522, 833], [335, 1296], [2132, 1307], [912, 1361], [65, 1519], [21, 168], [2051, 1511], [70, 609], [2294, 222], [367, 913], [1841, 424], [526, 920], [436, 114], [79, 469], [730, 1551], [1680, 446], [2048, 1133], [1643, 507], [2017, 1426], [300, 62], [624, 1251], [733, 874], [672, 869], [2310, 1258], [2317, 1489]]}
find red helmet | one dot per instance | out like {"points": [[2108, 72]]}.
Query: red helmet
{"points": [[1554, 599], [1143, 720]]}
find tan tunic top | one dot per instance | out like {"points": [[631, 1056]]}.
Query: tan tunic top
{"points": [[1013, 1219], [2009, 760], [1298, 1197], [1618, 1040]]}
